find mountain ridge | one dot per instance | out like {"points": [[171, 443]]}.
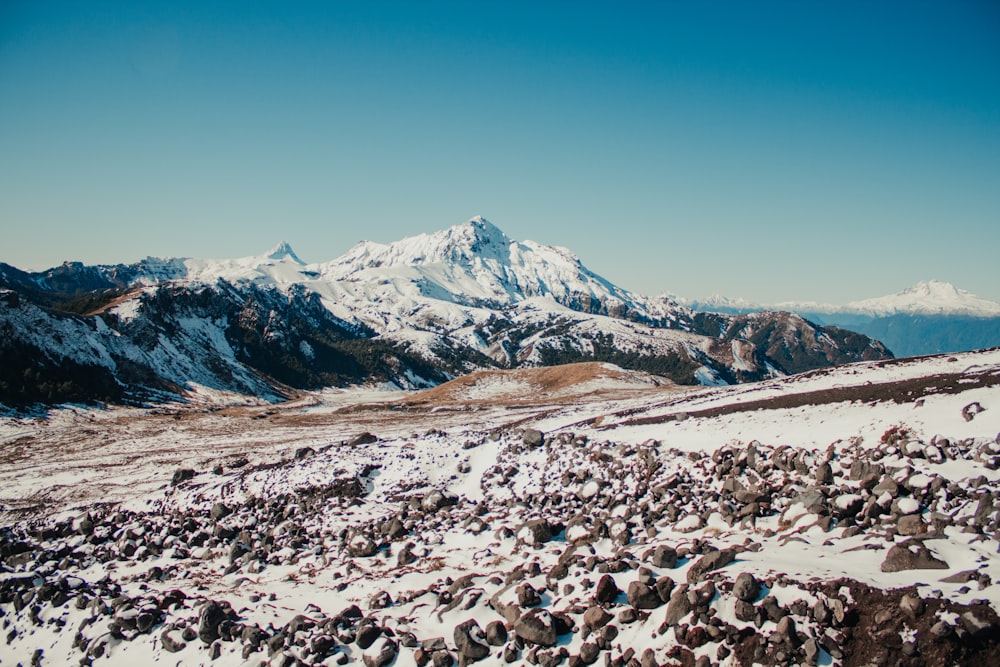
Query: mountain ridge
{"points": [[926, 297], [411, 313]]}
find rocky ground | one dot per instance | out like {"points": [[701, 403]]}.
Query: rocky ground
{"points": [[607, 532]]}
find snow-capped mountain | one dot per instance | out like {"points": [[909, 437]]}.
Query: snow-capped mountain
{"points": [[928, 297], [413, 313], [931, 317], [476, 264]]}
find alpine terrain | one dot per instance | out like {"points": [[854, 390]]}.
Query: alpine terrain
{"points": [[408, 314], [572, 515], [929, 318]]}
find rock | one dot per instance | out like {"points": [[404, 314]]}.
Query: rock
{"points": [[911, 605], [811, 650], [710, 561], [496, 633], [367, 634], [607, 590], [642, 596], [171, 642], [209, 618], [664, 556], [975, 625], [467, 640], [745, 611], [678, 607], [532, 438], [436, 500], [824, 473], [362, 439], [941, 630], [970, 411], [596, 618], [406, 556], [664, 588], [910, 525], [785, 630], [589, 652], [219, 511], [536, 627], [911, 555], [181, 475], [527, 596], [746, 587], [361, 546], [386, 654]]}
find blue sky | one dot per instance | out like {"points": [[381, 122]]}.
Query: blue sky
{"points": [[800, 150]]}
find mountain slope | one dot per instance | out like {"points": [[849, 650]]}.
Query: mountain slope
{"points": [[414, 312], [931, 317]]}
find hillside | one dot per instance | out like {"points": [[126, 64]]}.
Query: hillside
{"points": [[410, 314], [841, 517]]}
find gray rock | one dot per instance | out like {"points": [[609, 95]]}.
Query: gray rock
{"points": [[181, 475], [467, 640], [589, 652], [536, 627], [535, 532], [710, 561], [527, 596], [532, 438], [219, 511], [496, 633], [911, 555], [664, 588], [678, 607], [824, 473], [746, 587], [664, 556], [607, 590], [911, 605], [209, 618], [170, 642], [642, 596], [362, 439], [970, 411], [367, 634], [386, 654], [596, 617]]}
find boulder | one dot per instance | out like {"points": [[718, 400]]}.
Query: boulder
{"points": [[468, 637], [911, 555], [710, 561], [641, 596], [746, 587], [536, 627], [607, 590]]}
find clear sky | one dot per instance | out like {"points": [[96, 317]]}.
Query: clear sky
{"points": [[770, 150]]}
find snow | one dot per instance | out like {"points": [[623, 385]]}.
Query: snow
{"points": [[73, 457], [928, 297]]}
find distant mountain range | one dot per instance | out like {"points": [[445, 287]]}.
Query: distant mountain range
{"points": [[931, 317], [411, 313]]}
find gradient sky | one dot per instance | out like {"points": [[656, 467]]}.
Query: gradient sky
{"points": [[803, 150]]}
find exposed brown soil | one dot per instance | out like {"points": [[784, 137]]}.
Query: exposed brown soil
{"points": [[547, 383]]}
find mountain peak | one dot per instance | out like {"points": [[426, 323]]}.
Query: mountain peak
{"points": [[283, 251], [928, 297], [476, 232]]}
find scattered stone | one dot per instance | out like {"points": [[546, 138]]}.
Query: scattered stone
{"points": [[532, 438], [536, 627], [468, 636], [911, 555], [746, 587]]}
